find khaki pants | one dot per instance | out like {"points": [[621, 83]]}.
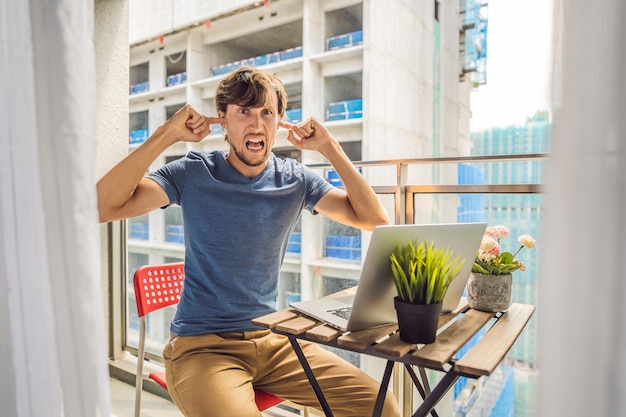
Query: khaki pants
{"points": [[213, 375]]}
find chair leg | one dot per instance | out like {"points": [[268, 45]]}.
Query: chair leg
{"points": [[140, 359]]}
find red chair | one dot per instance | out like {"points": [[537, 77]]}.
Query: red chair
{"points": [[156, 287]]}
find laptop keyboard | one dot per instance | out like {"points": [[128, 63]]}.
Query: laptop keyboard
{"points": [[343, 312]]}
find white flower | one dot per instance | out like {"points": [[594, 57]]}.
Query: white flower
{"points": [[487, 244], [527, 241]]}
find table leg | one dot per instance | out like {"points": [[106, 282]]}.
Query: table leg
{"points": [[382, 392], [416, 381], [309, 374], [424, 379], [435, 396], [424, 391]]}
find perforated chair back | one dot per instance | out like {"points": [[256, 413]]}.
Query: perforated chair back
{"points": [[157, 287]]}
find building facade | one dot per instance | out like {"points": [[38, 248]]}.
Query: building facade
{"points": [[389, 79]]}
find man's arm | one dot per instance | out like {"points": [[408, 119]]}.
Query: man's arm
{"points": [[357, 205], [123, 192]]}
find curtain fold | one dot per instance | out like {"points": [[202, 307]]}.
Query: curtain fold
{"points": [[52, 310], [582, 318]]}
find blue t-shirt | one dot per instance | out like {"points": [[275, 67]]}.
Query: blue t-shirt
{"points": [[236, 234]]}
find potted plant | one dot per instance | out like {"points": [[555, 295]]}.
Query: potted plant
{"points": [[489, 284], [422, 274]]}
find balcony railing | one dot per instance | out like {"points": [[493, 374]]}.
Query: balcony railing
{"points": [[502, 189], [407, 184]]}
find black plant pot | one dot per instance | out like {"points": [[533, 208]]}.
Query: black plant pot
{"points": [[417, 323]]}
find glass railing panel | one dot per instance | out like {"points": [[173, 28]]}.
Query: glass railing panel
{"points": [[138, 228], [294, 115], [345, 40], [138, 231], [294, 246], [345, 109], [138, 136], [257, 61], [521, 214], [341, 241], [141, 87], [289, 289], [176, 79], [174, 225], [295, 243]]}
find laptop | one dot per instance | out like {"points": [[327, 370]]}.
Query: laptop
{"points": [[372, 304]]}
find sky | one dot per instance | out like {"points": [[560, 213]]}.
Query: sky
{"points": [[519, 50]]}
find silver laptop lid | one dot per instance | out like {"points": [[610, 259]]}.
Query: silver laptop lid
{"points": [[373, 304]]}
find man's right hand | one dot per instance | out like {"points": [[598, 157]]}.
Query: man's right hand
{"points": [[187, 125], [123, 192]]}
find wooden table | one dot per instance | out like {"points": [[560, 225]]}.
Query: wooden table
{"points": [[455, 329]]}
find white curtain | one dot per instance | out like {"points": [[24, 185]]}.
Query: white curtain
{"points": [[582, 308], [53, 344]]}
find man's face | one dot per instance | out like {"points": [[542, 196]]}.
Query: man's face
{"points": [[251, 133]]}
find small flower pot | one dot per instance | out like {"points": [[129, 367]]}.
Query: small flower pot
{"points": [[490, 293], [417, 323]]}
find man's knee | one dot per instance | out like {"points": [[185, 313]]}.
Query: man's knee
{"points": [[216, 402]]}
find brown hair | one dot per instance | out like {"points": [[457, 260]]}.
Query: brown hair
{"points": [[250, 87]]}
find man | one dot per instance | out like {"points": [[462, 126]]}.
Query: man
{"points": [[239, 208]]}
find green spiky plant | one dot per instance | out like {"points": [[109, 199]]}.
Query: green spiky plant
{"points": [[422, 273]]}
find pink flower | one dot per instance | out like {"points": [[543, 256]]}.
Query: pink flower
{"points": [[522, 265], [486, 256], [489, 249], [497, 232], [495, 250]]}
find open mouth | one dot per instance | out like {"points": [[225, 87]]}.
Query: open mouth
{"points": [[255, 144]]}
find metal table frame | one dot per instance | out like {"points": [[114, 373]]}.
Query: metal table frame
{"points": [[431, 398]]}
